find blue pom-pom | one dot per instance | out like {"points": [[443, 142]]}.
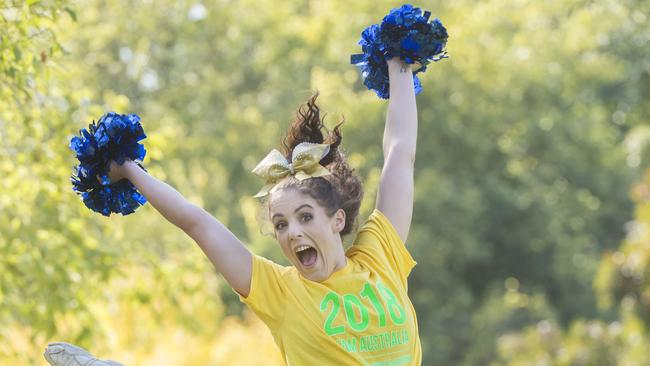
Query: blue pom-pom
{"points": [[405, 33], [113, 137]]}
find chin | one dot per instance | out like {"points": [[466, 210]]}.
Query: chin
{"points": [[314, 276]]}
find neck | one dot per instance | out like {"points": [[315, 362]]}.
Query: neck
{"points": [[342, 260]]}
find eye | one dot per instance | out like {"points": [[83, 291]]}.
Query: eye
{"points": [[280, 225], [306, 217]]}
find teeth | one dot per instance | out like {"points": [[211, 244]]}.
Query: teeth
{"points": [[301, 248]]}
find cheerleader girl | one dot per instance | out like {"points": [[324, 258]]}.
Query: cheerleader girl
{"points": [[330, 306]]}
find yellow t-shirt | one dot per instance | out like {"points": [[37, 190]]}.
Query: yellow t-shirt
{"points": [[361, 315]]}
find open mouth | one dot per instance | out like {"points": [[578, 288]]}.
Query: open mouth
{"points": [[306, 255]]}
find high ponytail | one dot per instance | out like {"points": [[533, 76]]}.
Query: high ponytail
{"points": [[307, 126], [340, 190]]}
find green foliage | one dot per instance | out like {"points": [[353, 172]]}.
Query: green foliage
{"points": [[624, 275], [48, 247], [623, 281], [501, 312], [585, 343], [27, 42]]}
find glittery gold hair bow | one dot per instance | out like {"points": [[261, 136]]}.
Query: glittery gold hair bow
{"points": [[304, 164]]}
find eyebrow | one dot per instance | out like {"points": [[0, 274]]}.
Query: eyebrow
{"points": [[296, 210]]}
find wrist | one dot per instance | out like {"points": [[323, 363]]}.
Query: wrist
{"points": [[396, 64], [128, 168]]}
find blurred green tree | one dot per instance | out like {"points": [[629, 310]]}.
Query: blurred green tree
{"points": [[622, 283]]}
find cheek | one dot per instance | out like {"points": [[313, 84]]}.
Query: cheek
{"points": [[284, 246], [279, 235]]}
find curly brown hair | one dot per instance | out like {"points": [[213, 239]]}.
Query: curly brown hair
{"points": [[340, 190]]}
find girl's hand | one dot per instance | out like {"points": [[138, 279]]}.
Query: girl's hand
{"points": [[395, 62], [117, 172]]}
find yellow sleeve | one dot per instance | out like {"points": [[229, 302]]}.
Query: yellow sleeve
{"points": [[267, 295], [380, 246]]}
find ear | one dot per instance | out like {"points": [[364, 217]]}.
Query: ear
{"points": [[339, 220]]}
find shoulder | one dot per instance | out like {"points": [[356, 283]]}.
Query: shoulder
{"points": [[265, 266], [377, 224], [380, 247]]}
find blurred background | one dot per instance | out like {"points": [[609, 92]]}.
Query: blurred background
{"points": [[531, 223]]}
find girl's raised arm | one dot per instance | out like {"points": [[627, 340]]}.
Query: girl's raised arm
{"points": [[395, 194], [228, 255]]}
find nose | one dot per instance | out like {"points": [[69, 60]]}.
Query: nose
{"points": [[295, 233]]}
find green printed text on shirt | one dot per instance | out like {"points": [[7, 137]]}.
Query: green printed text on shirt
{"points": [[351, 312]]}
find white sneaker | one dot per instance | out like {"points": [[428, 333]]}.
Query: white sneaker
{"points": [[66, 354]]}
